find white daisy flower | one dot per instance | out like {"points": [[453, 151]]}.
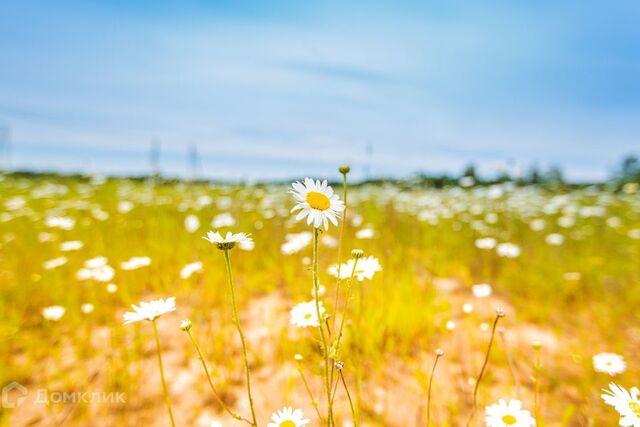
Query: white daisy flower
{"points": [[136, 262], [223, 220], [54, 263], [71, 245], [317, 202], [304, 315], [229, 240], [288, 417], [150, 310], [365, 233], [554, 239], [609, 363], [87, 308], [508, 250], [503, 414], [365, 269], [189, 269], [191, 223], [295, 242], [54, 312], [625, 402], [486, 243], [481, 290]]}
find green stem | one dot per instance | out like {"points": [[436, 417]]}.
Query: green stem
{"points": [[164, 384], [433, 370], [536, 389], [353, 411], [213, 388], [325, 351], [484, 367], [236, 320], [314, 402], [340, 239]]}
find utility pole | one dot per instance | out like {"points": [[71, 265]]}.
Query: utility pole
{"points": [[154, 158], [368, 156], [194, 161], [5, 148]]}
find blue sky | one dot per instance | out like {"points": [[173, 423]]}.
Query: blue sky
{"points": [[275, 89]]}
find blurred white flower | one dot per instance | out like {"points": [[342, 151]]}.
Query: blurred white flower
{"points": [[87, 308], [150, 310], [191, 223], [125, 206], [538, 224], [134, 263], [481, 290], [572, 275], [305, 314], [189, 269], [365, 233], [609, 363], [71, 245], [295, 242], [508, 250], [486, 243], [554, 239], [329, 241], [366, 268], [54, 312], [63, 223], [223, 220], [54, 263]]}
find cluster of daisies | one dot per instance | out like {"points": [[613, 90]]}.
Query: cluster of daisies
{"points": [[316, 202]]}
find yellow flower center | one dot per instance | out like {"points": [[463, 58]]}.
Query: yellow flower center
{"points": [[635, 408], [287, 423], [318, 201], [307, 316], [509, 419]]}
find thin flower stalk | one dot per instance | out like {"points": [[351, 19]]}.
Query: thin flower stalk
{"points": [[499, 315], [346, 389], [314, 401], [510, 362], [439, 354], [344, 170], [167, 400], [537, 367], [236, 320], [211, 385], [325, 349]]}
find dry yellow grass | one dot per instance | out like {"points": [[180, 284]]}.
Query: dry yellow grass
{"points": [[578, 298]]}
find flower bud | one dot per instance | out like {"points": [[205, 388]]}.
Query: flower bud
{"points": [[344, 169], [357, 253], [186, 325]]}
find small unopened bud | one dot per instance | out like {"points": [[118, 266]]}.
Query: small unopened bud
{"points": [[537, 345], [357, 253], [339, 365], [439, 352], [500, 312], [186, 325], [344, 169]]}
